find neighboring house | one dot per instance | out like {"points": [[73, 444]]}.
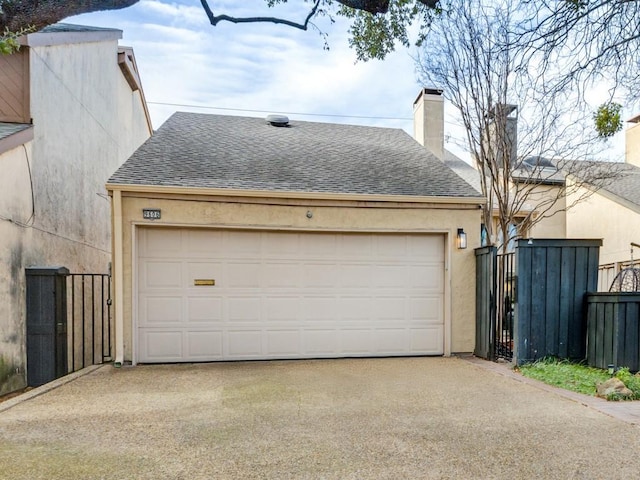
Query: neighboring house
{"points": [[240, 238], [612, 213], [71, 112]]}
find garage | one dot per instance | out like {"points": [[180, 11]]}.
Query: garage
{"points": [[239, 238], [243, 294]]}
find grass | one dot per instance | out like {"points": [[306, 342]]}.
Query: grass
{"points": [[578, 377]]}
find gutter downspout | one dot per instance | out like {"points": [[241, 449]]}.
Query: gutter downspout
{"points": [[118, 277]]}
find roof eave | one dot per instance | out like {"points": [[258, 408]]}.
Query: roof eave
{"points": [[292, 194]]}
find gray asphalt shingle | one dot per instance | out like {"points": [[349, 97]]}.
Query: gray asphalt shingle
{"points": [[216, 151], [7, 129]]}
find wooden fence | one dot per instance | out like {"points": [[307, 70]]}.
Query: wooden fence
{"points": [[613, 333]]}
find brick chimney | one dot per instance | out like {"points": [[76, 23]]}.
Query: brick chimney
{"points": [[632, 142], [428, 120]]}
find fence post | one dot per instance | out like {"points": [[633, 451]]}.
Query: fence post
{"points": [[46, 324]]}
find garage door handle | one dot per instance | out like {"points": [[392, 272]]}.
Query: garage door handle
{"points": [[204, 282]]}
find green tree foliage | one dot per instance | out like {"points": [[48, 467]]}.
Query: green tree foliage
{"points": [[607, 119], [375, 36]]}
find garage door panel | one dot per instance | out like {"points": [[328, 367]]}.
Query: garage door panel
{"points": [[281, 275], [355, 307], [161, 310], [389, 340], [426, 248], [283, 343], [428, 340], [244, 344], [162, 243], [390, 309], [203, 271], [357, 247], [391, 246], [322, 309], [281, 244], [318, 275], [161, 346], [391, 276], [279, 309], [162, 274], [355, 276], [244, 309], [204, 309], [242, 275], [241, 244], [319, 342], [356, 342], [203, 243], [204, 345], [322, 245], [287, 295], [426, 309], [426, 276]]}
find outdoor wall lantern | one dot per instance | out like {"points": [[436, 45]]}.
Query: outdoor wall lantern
{"points": [[461, 239]]}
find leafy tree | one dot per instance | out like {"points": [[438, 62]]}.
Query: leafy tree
{"points": [[377, 24], [607, 119]]}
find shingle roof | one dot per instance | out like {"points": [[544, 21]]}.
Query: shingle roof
{"points": [[463, 169], [69, 27], [625, 181], [216, 151], [7, 129]]}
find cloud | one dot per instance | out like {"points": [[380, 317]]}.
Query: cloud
{"points": [[259, 67]]}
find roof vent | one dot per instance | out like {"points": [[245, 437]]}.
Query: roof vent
{"points": [[278, 120]]}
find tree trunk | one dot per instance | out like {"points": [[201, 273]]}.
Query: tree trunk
{"points": [[17, 16]]}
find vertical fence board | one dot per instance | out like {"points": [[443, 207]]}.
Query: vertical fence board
{"points": [[523, 305], [631, 340], [552, 313]]}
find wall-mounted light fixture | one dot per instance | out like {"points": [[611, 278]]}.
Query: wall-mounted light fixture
{"points": [[461, 239]]}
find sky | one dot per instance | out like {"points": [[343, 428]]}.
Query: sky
{"points": [[259, 69]]}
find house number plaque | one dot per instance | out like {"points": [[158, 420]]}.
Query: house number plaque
{"points": [[151, 213]]}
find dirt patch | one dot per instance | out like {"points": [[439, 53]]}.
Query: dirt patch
{"points": [[8, 396]]}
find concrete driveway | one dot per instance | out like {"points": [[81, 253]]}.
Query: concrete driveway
{"points": [[403, 418]]}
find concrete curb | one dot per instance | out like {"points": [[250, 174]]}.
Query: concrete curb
{"points": [[47, 387], [628, 412]]}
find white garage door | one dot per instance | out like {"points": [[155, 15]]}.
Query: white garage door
{"points": [[287, 295]]}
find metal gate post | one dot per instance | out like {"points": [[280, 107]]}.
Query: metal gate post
{"points": [[46, 324]]}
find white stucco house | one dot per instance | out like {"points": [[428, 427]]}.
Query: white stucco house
{"points": [[242, 238], [71, 111]]}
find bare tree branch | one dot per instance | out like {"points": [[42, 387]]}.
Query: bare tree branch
{"points": [[472, 54], [215, 19]]}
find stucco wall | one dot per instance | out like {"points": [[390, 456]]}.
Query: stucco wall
{"points": [[554, 223], [87, 122], [600, 217], [339, 216]]}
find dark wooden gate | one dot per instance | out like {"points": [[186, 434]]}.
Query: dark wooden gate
{"points": [[46, 324], [554, 277], [485, 302], [531, 304]]}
